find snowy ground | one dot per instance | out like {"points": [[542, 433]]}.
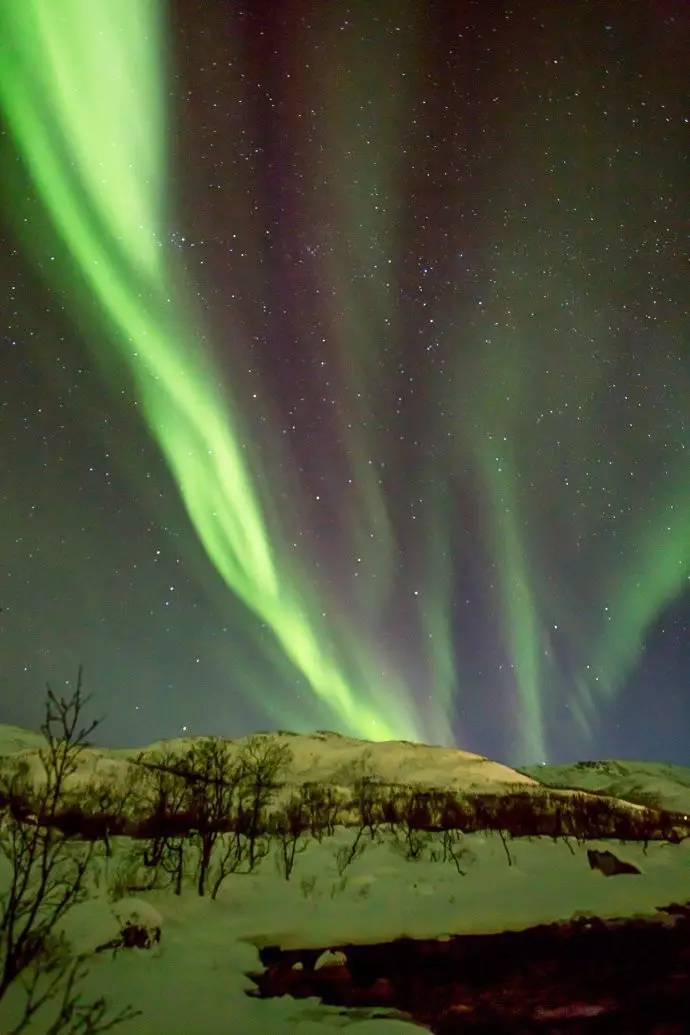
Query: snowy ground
{"points": [[194, 979]]}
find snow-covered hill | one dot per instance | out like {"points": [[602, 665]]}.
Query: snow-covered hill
{"points": [[322, 757], [328, 758], [14, 739], [331, 758], [663, 783]]}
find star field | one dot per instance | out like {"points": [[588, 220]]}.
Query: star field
{"points": [[346, 383]]}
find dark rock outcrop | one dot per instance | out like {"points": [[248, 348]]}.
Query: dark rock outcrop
{"points": [[609, 864]]}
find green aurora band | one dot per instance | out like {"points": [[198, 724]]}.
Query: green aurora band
{"points": [[81, 87]]}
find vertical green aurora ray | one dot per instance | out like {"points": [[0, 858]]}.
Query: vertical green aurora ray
{"points": [[520, 609], [436, 609], [359, 133], [80, 86], [603, 602], [594, 474], [656, 573], [365, 132]]}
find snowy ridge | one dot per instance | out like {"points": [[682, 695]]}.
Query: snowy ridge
{"points": [[321, 757], [329, 758], [662, 782], [14, 739]]}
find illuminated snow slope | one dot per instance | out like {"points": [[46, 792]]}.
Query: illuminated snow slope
{"points": [[660, 782], [322, 757]]}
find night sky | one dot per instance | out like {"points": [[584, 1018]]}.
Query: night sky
{"points": [[345, 372]]}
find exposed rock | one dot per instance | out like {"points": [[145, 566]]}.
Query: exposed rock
{"points": [[676, 909], [609, 864], [136, 936], [139, 926]]}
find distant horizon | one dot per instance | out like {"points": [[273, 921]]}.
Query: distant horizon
{"points": [[182, 735]]}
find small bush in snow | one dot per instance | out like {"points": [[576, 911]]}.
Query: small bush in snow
{"points": [[125, 877], [339, 886], [346, 854], [307, 886], [453, 850]]}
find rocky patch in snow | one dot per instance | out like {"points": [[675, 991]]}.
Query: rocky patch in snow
{"points": [[588, 975], [608, 863], [138, 926]]}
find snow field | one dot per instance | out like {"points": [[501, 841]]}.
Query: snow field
{"points": [[194, 979]]}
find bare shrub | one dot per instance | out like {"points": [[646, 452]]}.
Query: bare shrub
{"points": [[453, 851], [214, 783], [390, 808], [505, 846], [229, 856], [103, 809], [415, 822], [263, 762], [47, 877], [323, 806], [164, 801], [307, 885], [346, 854], [213, 801], [367, 797], [56, 983], [289, 826]]}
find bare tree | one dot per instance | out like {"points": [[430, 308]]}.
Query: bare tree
{"points": [[47, 877], [505, 846], [414, 823], [104, 806], [289, 826], [263, 760], [333, 803], [231, 852], [367, 802], [164, 800], [214, 783], [453, 851], [346, 854], [58, 984], [322, 806]]}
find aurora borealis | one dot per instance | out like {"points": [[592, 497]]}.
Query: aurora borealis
{"points": [[346, 370]]}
